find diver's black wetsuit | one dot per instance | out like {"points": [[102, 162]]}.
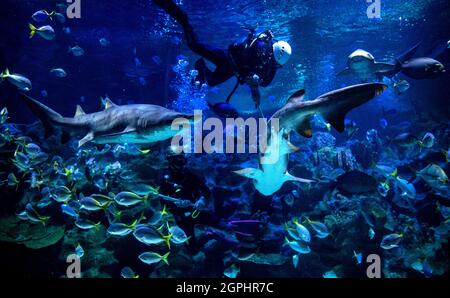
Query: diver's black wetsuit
{"points": [[250, 59]]}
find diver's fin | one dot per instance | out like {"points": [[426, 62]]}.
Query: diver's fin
{"points": [[304, 128], [289, 177], [79, 111], [251, 173], [345, 72], [297, 96], [89, 137], [44, 113], [109, 104]]}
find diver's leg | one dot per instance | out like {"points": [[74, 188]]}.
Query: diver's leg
{"points": [[216, 56], [221, 74]]}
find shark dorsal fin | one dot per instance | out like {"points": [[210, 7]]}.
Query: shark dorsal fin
{"points": [[109, 104], [297, 96], [79, 111]]}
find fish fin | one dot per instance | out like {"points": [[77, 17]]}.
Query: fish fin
{"points": [[337, 120], [109, 104], [384, 67], [125, 131], [304, 128], [394, 173], [32, 30], [79, 111], [297, 96], [251, 173], [408, 54], [164, 258], [44, 113], [5, 74], [344, 72], [336, 104], [89, 137], [291, 148], [289, 177]]}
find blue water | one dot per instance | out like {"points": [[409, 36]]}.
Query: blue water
{"points": [[134, 53]]}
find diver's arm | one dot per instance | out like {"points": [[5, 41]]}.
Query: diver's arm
{"points": [[256, 95]]}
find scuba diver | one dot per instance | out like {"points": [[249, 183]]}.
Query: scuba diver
{"points": [[253, 60]]}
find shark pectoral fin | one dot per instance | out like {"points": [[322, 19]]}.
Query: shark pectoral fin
{"points": [[304, 128], [337, 120], [345, 72], [89, 137], [79, 111], [297, 96], [384, 67], [251, 173], [289, 177]]}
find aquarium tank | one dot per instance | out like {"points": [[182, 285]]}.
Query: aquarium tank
{"points": [[157, 139]]}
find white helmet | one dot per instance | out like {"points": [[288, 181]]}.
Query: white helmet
{"points": [[282, 51]]}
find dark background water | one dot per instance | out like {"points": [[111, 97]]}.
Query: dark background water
{"points": [[322, 34]]}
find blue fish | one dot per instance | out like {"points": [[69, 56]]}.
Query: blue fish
{"points": [[358, 257], [127, 272], [69, 210], [79, 251], [42, 15]]}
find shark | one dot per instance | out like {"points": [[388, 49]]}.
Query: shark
{"points": [[136, 124], [362, 65], [296, 116]]}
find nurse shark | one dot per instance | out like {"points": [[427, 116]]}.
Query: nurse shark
{"points": [[296, 116], [137, 123]]}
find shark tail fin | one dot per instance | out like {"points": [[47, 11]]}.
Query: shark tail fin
{"points": [[47, 116]]}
